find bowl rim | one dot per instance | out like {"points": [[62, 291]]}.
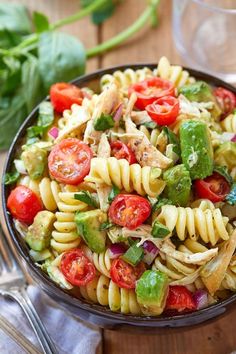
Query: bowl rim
{"points": [[54, 289]]}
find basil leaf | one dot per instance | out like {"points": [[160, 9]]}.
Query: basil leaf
{"points": [[46, 114], [87, 198], [14, 17], [223, 171], [113, 193], [61, 58], [104, 122], [173, 139], [31, 83], [11, 117], [106, 225], [9, 38], [11, 177], [231, 197], [150, 125], [160, 203], [40, 22]]}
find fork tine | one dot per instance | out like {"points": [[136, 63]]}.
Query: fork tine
{"points": [[6, 253]]}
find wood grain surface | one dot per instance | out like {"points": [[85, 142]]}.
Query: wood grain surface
{"points": [[218, 337]]}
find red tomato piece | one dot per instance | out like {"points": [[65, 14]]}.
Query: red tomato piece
{"points": [[215, 187], [77, 268], [69, 161], [129, 210], [164, 111], [150, 90], [124, 274], [180, 298], [63, 95], [24, 204], [226, 100], [122, 151]]}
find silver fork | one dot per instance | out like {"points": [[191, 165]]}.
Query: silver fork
{"points": [[13, 285]]}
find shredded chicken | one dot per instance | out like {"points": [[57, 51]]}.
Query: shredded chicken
{"points": [[214, 271], [140, 117], [104, 149], [103, 193], [195, 258], [106, 102]]}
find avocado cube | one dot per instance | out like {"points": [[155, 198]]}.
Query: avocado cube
{"points": [[39, 233], [152, 290], [35, 161], [89, 228]]}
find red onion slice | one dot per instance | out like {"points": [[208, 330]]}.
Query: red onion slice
{"points": [[234, 138], [116, 250], [118, 112], [200, 298], [150, 252], [53, 132]]}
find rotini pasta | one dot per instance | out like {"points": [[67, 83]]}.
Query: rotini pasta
{"points": [[229, 123], [104, 291], [124, 176], [209, 225]]}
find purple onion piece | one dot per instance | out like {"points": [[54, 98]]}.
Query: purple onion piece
{"points": [[118, 112], [116, 250], [234, 138], [150, 252], [200, 298], [53, 132]]}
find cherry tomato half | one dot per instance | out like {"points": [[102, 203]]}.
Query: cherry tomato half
{"points": [[77, 268], [164, 111], [215, 187], [125, 275], [24, 204], [129, 210], [122, 151], [63, 95], [180, 298], [150, 90], [69, 161], [226, 100]]}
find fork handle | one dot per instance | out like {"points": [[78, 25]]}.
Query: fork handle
{"points": [[21, 296]]}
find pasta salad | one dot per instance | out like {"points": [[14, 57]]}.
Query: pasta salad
{"points": [[126, 196]]}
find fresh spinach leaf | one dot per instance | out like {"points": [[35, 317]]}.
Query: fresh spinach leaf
{"points": [[86, 197], [14, 17], [231, 197], [9, 39], [11, 177], [40, 22], [11, 118], [31, 82], [113, 193], [61, 58], [223, 171], [102, 14]]}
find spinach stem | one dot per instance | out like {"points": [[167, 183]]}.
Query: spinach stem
{"points": [[149, 13], [79, 15]]}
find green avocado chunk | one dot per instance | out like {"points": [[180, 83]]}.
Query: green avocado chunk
{"points": [[152, 290], [89, 228], [35, 160], [196, 149], [133, 255], [178, 185], [225, 155], [39, 233], [198, 91]]}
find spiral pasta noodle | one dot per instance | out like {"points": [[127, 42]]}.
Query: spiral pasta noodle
{"points": [[123, 79], [174, 73], [229, 123], [105, 292], [209, 225], [124, 176]]}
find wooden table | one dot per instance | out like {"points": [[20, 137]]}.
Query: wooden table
{"points": [[149, 45]]}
